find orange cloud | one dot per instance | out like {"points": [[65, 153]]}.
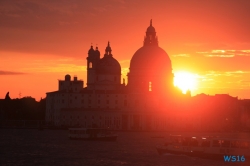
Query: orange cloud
{"points": [[10, 73]]}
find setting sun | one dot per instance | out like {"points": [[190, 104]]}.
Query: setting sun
{"points": [[185, 81]]}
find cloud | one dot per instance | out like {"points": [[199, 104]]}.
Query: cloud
{"points": [[224, 79], [42, 15], [207, 79], [10, 73], [119, 1], [181, 55], [57, 68], [226, 73], [221, 56], [238, 72], [225, 53]]}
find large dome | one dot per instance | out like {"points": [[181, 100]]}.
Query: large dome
{"points": [[150, 66], [108, 65], [150, 57]]}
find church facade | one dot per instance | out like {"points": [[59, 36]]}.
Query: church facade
{"points": [[146, 102]]}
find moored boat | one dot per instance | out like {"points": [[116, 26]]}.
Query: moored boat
{"points": [[92, 134], [210, 147], [222, 148], [178, 144]]}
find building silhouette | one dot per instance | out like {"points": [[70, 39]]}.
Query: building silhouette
{"points": [[149, 101]]}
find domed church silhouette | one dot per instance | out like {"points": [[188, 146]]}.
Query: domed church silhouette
{"points": [[150, 66], [106, 102]]}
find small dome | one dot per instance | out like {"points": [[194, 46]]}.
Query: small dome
{"points": [[91, 50], [67, 77], [97, 52], [150, 29], [108, 65]]}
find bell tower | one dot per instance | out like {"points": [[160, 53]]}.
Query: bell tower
{"points": [[92, 61]]}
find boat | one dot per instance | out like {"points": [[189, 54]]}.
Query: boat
{"points": [[210, 147], [180, 145], [92, 134], [219, 148]]}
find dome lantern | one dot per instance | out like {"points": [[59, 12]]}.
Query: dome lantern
{"points": [[108, 49], [150, 38], [150, 29]]}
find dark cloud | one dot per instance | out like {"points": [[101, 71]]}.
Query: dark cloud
{"points": [[10, 73], [47, 15], [58, 27], [62, 27]]}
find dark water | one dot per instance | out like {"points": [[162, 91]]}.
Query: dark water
{"points": [[52, 147]]}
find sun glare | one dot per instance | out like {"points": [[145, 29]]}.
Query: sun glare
{"points": [[185, 81]]}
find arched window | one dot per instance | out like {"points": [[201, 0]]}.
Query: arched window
{"points": [[150, 86], [90, 65]]}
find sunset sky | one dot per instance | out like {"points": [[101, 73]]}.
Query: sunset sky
{"points": [[41, 41]]}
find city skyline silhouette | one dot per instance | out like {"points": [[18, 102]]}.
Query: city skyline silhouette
{"points": [[41, 43], [125, 82]]}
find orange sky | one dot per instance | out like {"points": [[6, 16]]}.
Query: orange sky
{"points": [[41, 41]]}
